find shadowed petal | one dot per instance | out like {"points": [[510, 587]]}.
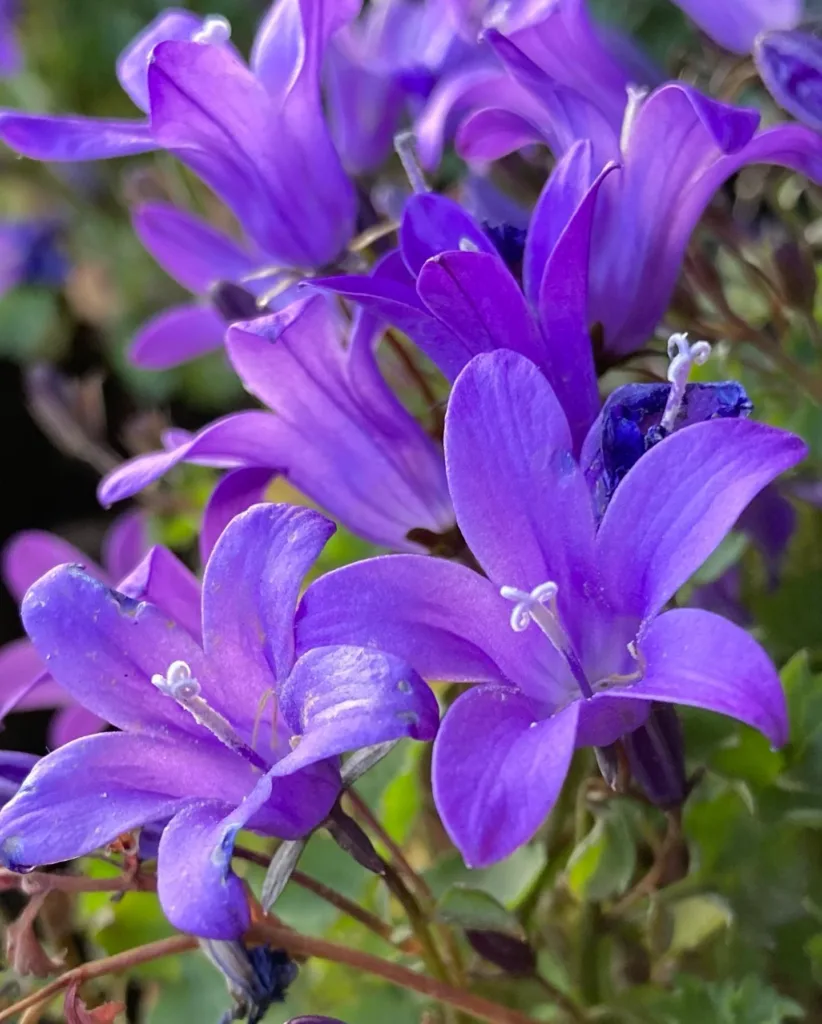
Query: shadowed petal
{"points": [[74, 138], [188, 248], [85, 794], [166, 582], [250, 590], [21, 668], [177, 335], [30, 554], [125, 543], [700, 659], [790, 65], [70, 724], [493, 133], [235, 493], [678, 502], [498, 770], [243, 439], [340, 699], [433, 224], [14, 767], [521, 500]]}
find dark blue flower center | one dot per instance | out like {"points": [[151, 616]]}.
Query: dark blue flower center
{"points": [[509, 241]]}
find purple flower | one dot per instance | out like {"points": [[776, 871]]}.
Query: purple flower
{"points": [[675, 149], [790, 64], [458, 288], [257, 136], [735, 24], [197, 748], [25, 682], [11, 59], [257, 977], [381, 68], [338, 434], [586, 650], [564, 44]]}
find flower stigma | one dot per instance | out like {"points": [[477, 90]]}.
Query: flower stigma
{"points": [[179, 684], [540, 606], [215, 31], [684, 356]]}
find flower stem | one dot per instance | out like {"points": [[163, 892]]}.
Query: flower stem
{"points": [[108, 965], [304, 945]]}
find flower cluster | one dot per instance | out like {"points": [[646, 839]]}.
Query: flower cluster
{"points": [[473, 382]]}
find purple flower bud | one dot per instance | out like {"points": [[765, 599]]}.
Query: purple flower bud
{"points": [[656, 755], [256, 978], [790, 64]]}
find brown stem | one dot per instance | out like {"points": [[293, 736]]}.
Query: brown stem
{"points": [[97, 968], [336, 899], [304, 945], [362, 811]]}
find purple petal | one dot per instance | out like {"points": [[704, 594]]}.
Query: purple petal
{"points": [[736, 24], [72, 723], [82, 796], [103, 648], [341, 699], [700, 659], [491, 134], [162, 579], [498, 770], [250, 590], [521, 500], [14, 767], [678, 502], [562, 300], [176, 336], [235, 493], [604, 719], [193, 252], [43, 137], [353, 448], [273, 165], [242, 439], [21, 668], [290, 43], [435, 224], [30, 554], [475, 295], [133, 62], [445, 620], [125, 543]]}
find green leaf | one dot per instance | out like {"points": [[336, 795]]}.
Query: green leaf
{"points": [[603, 864], [697, 919], [476, 910]]}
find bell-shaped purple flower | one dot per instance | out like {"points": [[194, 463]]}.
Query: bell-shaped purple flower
{"points": [[338, 433], [565, 634], [256, 135], [197, 747], [564, 43], [675, 149], [458, 287], [735, 24]]}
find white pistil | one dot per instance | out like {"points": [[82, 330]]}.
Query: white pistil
{"points": [[684, 356], [636, 97], [405, 145], [540, 606], [179, 684], [215, 31]]}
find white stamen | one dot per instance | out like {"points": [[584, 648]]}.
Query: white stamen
{"points": [[179, 684], [540, 606], [636, 97], [215, 31], [467, 245], [405, 145], [684, 356]]}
